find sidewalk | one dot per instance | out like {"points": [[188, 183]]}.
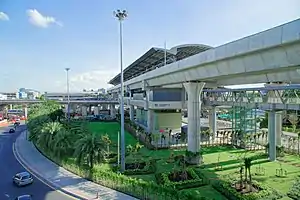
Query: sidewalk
{"points": [[60, 178]]}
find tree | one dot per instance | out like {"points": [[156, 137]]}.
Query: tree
{"points": [[248, 165], [135, 152], [48, 132], [62, 144], [293, 118], [89, 149], [105, 138]]}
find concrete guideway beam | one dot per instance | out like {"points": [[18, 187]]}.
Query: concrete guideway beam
{"points": [[193, 90], [269, 51]]}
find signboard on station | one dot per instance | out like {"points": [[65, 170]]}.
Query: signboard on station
{"points": [[165, 105], [14, 111]]}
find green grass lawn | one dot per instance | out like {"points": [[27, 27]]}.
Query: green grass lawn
{"points": [[229, 158]]}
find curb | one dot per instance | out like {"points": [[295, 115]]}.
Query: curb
{"points": [[41, 178]]}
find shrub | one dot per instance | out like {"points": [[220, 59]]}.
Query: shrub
{"points": [[196, 181], [265, 193], [294, 192], [148, 169]]}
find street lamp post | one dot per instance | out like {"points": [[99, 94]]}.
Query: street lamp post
{"points": [[121, 15], [68, 93]]}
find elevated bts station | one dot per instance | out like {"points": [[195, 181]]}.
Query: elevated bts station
{"points": [[157, 108], [161, 83]]}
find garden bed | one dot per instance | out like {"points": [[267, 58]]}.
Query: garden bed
{"points": [[140, 168], [233, 190], [180, 179]]}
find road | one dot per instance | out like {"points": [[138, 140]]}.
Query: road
{"points": [[9, 166]]}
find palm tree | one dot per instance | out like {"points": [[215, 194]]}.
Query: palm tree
{"points": [[48, 131], [89, 149], [62, 144]]}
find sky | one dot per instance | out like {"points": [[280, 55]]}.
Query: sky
{"points": [[39, 39]]}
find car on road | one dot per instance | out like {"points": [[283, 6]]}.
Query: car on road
{"points": [[22, 179], [24, 197], [12, 130]]}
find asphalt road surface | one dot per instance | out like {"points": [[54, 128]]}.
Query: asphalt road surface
{"points": [[9, 166]]}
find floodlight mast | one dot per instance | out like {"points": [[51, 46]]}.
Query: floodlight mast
{"points": [[68, 93], [121, 15]]}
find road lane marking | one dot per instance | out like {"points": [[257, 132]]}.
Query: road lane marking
{"points": [[36, 174]]}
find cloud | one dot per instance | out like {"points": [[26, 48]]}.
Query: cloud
{"points": [[88, 80], [3, 16], [39, 20]]}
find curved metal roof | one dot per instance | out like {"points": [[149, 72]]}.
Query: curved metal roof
{"points": [[154, 58]]}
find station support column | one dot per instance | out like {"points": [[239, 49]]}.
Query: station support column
{"points": [[193, 90], [131, 112], [212, 120], [150, 119], [272, 134], [96, 110], [112, 110], [278, 119], [84, 111], [104, 107], [25, 112], [66, 110]]}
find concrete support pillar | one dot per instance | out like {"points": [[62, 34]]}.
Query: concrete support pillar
{"points": [[150, 121], [131, 112], [147, 99], [193, 90], [10, 106], [84, 111], [25, 112], [212, 120], [96, 110], [272, 135], [66, 110], [104, 107], [113, 110], [278, 130]]}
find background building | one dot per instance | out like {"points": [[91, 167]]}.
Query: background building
{"points": [[3, 97], [24, 93]]}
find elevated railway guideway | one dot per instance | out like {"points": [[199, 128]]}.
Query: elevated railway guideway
{"points": [[264, 98], [268, 56], [28, 101]]}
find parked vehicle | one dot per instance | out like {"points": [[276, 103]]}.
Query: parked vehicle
{"points": [[22, 179]]}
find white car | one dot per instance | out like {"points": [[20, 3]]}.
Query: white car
{"points": [[22, 179]]}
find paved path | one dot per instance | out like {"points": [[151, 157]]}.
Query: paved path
{"points": [[9, 166], [61, 178]]}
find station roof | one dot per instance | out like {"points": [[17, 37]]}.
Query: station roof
{"points": [[154, 58]]}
